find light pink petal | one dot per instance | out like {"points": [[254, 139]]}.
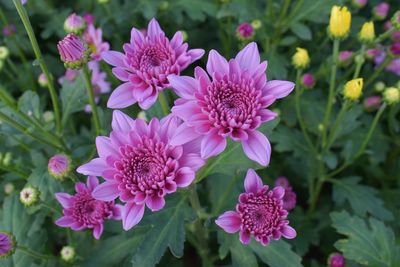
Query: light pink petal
{"points": [[121, 74], [257, 148], [94, 167], [216, 63], [155, 203], [136, 37], [288, 232], [80, 187], [212, 144], [122, 122], [186, 110], [252, 182], [267, 115], [184, 177], [278, 88], [98, 230], [114, 58], [184, 86], [65, 221], [195, 54], [64, 199], [122, 96], [168, 126], [278, 192], [192, 160], [154, 29], [148, 101], [229, 221], [106, 191], [244, 237], [92, 182], [176, 40], [141, 94], [131, 215], [105, 147], [249, 57], [183, 134], [117, 211]]}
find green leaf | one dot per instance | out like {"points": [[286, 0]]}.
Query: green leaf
{"points": [[168, 231], [301, 30], [241, 256], [311, 10], [29, 103], [73, 98], [370, 244], [362, 198], [276, 254], [289, 139]]}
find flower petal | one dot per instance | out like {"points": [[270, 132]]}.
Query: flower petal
{"points": [[278, 192], [252, 182], [288, 232], [106, 191], [136, 37], [183, 134], [229, 221], [64, 199], [105, 147], [184, 86], [154, 29], [212, 144], [114, 58], [92, 182], [278, 88], [155, 203], [122, 96], [184, 177], [65, 221], [244, 237], [122, 122], [131, 215], [257, 148], [94, 167], [216, 63], [98, 230], [249, 57]]}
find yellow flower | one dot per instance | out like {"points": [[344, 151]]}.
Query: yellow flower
{"points": [[339, 23], [367, 33], [353, 89], [300, 59], [391, 95]]}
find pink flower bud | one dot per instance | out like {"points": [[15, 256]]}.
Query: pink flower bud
{"points": [[308, 80], [336, 260], [395, 49], [59, 166], [372, 103], [290, 197], [73, 52], [89, 18], [345, 57], [42, 80], [9, 30], [245, 31], [396, 36], [381, 11], [74, 24]]}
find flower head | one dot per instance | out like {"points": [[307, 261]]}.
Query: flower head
{"points": [[336, 260], [353, 89], [308, 80], [231, 104], [29, 196], [381, 10], [59, 166], [94, 39], [146, 64], [301, 59], [42, 80], [391, 95], [72, 51], [68, 253], [290, 197], [372, 103], [81, 211], [245, 31], [74, 24], [339, 23], [7, 244], [140, 165], [260, 212], [89, 18], [367, 33], [9, 30], [359, 3], [4, 52]]}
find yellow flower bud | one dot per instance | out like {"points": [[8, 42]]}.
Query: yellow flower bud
{"points": [[367, 33], [391, 95], [339, 23], [353, 89], [300, 59]]}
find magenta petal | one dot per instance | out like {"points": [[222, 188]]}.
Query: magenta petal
{"points": [[278, 88], [98, 230], [183, 134], [65, 221], [212, 144], [106, 191], [114, 58], [122, 122], [94, 167], [267, 115], [184, 177], [155, 203], [154, 29], [252, 182], [288, 232], [257, 148], [64, 199], [229, 221], [121, 74], [184, 86], [105, 147], [249, 57], [216, 63], [131, 215], [278, 192], [122, 96], [244, 237], [92, 182]]}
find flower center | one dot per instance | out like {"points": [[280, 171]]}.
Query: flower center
{"points": [[152, 57], [88, 210]]}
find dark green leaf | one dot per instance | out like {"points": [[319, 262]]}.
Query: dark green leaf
{"points": [[73, 98], [301, 30], [29, 103], [277, 254]]}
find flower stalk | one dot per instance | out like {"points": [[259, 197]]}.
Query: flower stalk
{"points": [[90, 92]]}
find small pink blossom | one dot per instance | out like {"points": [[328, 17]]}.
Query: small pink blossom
{"points": [[81, 211], [290, 197], [345, 57], [336, 260], [74, 24], [59, 166], [308, 80], [245, 31], [89, 18], [145, 65], [94, 39], [395, 49], [381, 10], [232, 104], [372, 103], [260, 213]]}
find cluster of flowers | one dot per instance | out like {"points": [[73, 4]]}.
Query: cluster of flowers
{"points": [[143, 162]]}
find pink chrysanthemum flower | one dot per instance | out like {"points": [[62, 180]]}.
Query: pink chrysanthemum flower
{"points": [[381, 10], [232, 104], [140, 165], [59, 166], [94, 40], [290, 197], [82, 211], [7, 244], [259, 213], [146, 64]]}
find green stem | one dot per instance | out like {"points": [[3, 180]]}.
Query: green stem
{"points": [[12, 169], [331, 95], [378, 71], [359, 62], [384, 35], [338, 121], [50, 208], [90, 92], [35, 254], [28, 27], [298, 113], [163, 102]]}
